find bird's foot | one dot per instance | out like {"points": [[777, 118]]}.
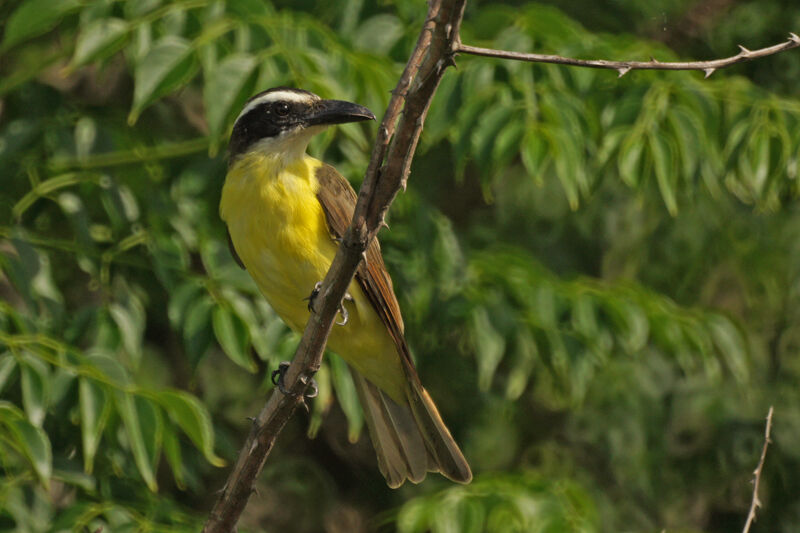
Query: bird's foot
{"points": [[342, 310], [313, 296], [277, 380]]}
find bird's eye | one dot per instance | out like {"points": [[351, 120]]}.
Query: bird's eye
{"points": [[282, 109]]}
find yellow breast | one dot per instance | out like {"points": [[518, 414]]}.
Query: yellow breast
{"points": [[279, 231], [278, 228]]}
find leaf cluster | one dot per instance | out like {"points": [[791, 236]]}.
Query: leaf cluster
{"points": [[598, 276]]}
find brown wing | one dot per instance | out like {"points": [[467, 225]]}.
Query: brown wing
{"points": [[338, 201], [409, 439]]}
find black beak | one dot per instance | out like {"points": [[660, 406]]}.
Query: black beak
{"points": [[338, 112]]}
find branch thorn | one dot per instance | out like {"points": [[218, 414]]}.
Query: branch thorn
{"points": [[794, 38], [623, 70], [743, 51], [709, 71]]}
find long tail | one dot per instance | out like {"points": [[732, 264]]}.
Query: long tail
{"points": [[411, 439]]}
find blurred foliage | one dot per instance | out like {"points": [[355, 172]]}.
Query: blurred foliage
{"points": [[598, 275]]}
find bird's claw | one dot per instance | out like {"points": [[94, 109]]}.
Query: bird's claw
{"points": [[277, 380], [277, 376], [313, 296], [312, 391], [343, 309]]}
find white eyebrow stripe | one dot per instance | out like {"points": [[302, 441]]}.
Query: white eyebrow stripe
{"points": [[286, 96]]}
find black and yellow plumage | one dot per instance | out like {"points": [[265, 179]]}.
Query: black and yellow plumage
{"points": [[285, 211]]}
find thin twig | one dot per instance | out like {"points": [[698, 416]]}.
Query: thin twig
{"points": [[756, 503], [385, 176], [623, 67]]}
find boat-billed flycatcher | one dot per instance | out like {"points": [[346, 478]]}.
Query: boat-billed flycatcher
{"points": [[285, 212]]}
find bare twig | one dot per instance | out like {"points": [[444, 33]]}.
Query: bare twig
{"points": [[395, 145], [756, 503], [623, 67]]}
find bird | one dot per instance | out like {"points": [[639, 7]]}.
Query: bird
{"points": [[286, 213]]}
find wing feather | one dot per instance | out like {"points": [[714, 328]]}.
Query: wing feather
{"points": [[409, 439], [338, 200]]}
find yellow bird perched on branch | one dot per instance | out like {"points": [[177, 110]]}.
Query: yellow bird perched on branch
{"points": [[286, 212]]}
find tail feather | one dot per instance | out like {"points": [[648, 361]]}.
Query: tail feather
{"points": [[441, 446], [411, 439], [400, 448]]}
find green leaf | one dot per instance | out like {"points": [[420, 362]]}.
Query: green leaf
{"points": [[172, 451], [568, 162], [128, 411], [524, 357], [75, 478], [757, 155], [99, 39], [731, 345], [35, 445], [489, 344], [7, 366], [233, 336], [634, 328], [193, 418], [485, 135], [629, 162], [35, 17], [152, 424], [29, 440], [197, 335], [378, 34], [78, 216], [168, 64], [466, 123], [226, 89], [179, 301], [9, 411], [507, 144], [686, 130], [534, 154], [131, 328], [322, 402], [664, 168], [85, 136], [584, 317], [137, 8], [347, 396], [95, 408], [35, 375], [259, 335], [110, 368]]}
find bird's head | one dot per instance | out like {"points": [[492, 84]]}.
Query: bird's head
{"points": [[282, 120]]}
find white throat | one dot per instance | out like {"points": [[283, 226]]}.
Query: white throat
{"points": [[286, 147]]}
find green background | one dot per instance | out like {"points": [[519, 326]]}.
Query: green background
{"points": [[599, 276]]}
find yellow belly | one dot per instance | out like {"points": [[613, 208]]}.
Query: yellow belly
{"points": [[279, 231]]}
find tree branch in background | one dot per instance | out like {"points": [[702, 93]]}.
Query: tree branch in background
{"points": [[395, 145], [756, 503], [623, 67]]}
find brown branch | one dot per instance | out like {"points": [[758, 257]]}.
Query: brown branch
{"points": [[395, 145], [756, 503], [623, 67]]}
